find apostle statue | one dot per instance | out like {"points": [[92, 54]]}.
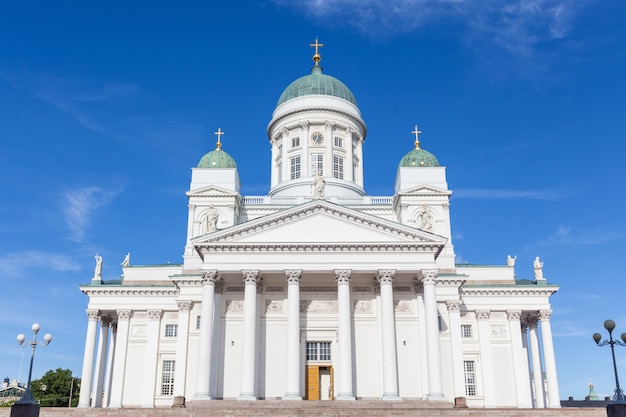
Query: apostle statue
{"points": [[319, 185], [211, 219], [126, 260], [538, 265], [425, 220], [98, 272], [510, 261]]}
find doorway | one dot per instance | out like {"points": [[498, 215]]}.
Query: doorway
{"points": [[319, 382]]}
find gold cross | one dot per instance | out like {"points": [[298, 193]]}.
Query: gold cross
{"points": [[417, 132], [219, 134], [317, 57]]}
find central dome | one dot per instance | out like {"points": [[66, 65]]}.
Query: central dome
{"points": [[316, 84]]}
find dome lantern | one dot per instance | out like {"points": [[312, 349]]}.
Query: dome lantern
{"points": [[217, 158]]}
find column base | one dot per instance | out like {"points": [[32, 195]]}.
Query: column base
{"points": [[391, 397], [247, 397], [179, 402], [25, 410], [436, 396], [345, 397], [202, 396], [612, 410], [293, 396]]}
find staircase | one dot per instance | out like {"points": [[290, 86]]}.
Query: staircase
{"points": [[278, 408]]}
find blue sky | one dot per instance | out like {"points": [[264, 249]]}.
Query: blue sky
{"points": [[107, 105]]}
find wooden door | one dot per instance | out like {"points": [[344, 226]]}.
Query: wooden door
{"points": [[312, 385]]}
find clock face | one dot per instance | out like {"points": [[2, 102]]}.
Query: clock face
{"points": [[317, 138]]}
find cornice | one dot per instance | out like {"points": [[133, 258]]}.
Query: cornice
{"points": [[130, 291], [314, 109], [508, 291]]}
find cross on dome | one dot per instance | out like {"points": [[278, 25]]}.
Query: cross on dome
{"points": [[417, 132], [317, 57], [219, 134]]}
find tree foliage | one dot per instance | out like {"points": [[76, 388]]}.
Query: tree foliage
{"points": [[53, 389]]}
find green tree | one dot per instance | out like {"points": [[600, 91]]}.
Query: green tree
{"points": [[53, 389]]}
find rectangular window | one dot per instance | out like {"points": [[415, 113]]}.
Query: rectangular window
{"points": [[197, 322], [469, 368], [167, 378], [337, 167], [279, 168], [171, 330], [318, 351], [317, 163], [466, 331], [295, 142], [338, 142], [295, 167]]}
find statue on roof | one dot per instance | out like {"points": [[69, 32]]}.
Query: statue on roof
{"points": [[510, 261], [126, 260], [98, 272], [538, 265]]}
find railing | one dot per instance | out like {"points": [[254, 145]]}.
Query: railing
{"points": [[294, 200]]}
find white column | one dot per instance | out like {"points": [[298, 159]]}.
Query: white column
{"points": [[151, 358], [344, 312], [284, 146], [328, 149], [390, 354], [549, 360], [484, 342], [536, 361], [433, 348], [249, 352], [119, 365], [304, 142], [456, 342], [423, 358], [101, 353], [348, 169], [180, 376], [293, 335], [203, 383], [359, 154], [110, 360], [519, 364], [90, 348]]}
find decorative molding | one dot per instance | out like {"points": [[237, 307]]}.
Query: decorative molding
{"points": [[155, 314], [318, 306], [514, 314], [131, 291], [293, 276], [183, 305], [302, 247], [234, 289], [93, 314], [385, 276], [362, 306], [499, 331], [274, 288], [482, 314], [513, 290], [362, 289], [234, 306], [403, 288], [402, 306], [453, 306], [273, 306], [318, 289], [342, 276], [123, 315]]}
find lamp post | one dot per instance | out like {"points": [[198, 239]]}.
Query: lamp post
{"points": [[26, 406], [609, 325]]}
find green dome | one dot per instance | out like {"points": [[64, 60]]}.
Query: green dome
{"points": [[217, 159], [314, 84], [419, 158]]}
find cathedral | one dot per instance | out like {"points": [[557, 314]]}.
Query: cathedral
{"points": [[317, 290]]}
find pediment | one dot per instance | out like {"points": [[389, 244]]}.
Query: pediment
{"points": [[211, 191], [319, 223], [425, 189]]}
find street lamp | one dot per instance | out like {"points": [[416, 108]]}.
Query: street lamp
{"points": [[609, 325], [21, 339]]}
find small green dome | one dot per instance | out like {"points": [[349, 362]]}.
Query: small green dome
{"points": [[217, 159], [419, 158], [316, 84]]}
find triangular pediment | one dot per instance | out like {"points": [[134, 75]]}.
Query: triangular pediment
{"points": [[425, 189], [320, 223], [211, 191]]}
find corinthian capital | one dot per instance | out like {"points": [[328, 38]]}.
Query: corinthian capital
{"points": [[454, 305], [210, 277], [385, 276], [483, 314], [93, 314], [293, 276], [342, 276], [250, 276], [429, 276], [544, 315], [304, 125]]}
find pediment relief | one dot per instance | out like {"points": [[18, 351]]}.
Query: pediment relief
{"points": [[211, 191], [320, 223]]}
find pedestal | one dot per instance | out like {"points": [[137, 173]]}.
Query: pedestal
{"points": [[612, 410], [25, 410], [179, 402]]}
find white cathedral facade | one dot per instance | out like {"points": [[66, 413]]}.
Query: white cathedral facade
{"points": [[318, 291]]}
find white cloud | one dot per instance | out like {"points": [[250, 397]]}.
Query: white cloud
{"points": [[80, 206], [515, 25], [507, 194], [17, 264], [567, 235]]}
